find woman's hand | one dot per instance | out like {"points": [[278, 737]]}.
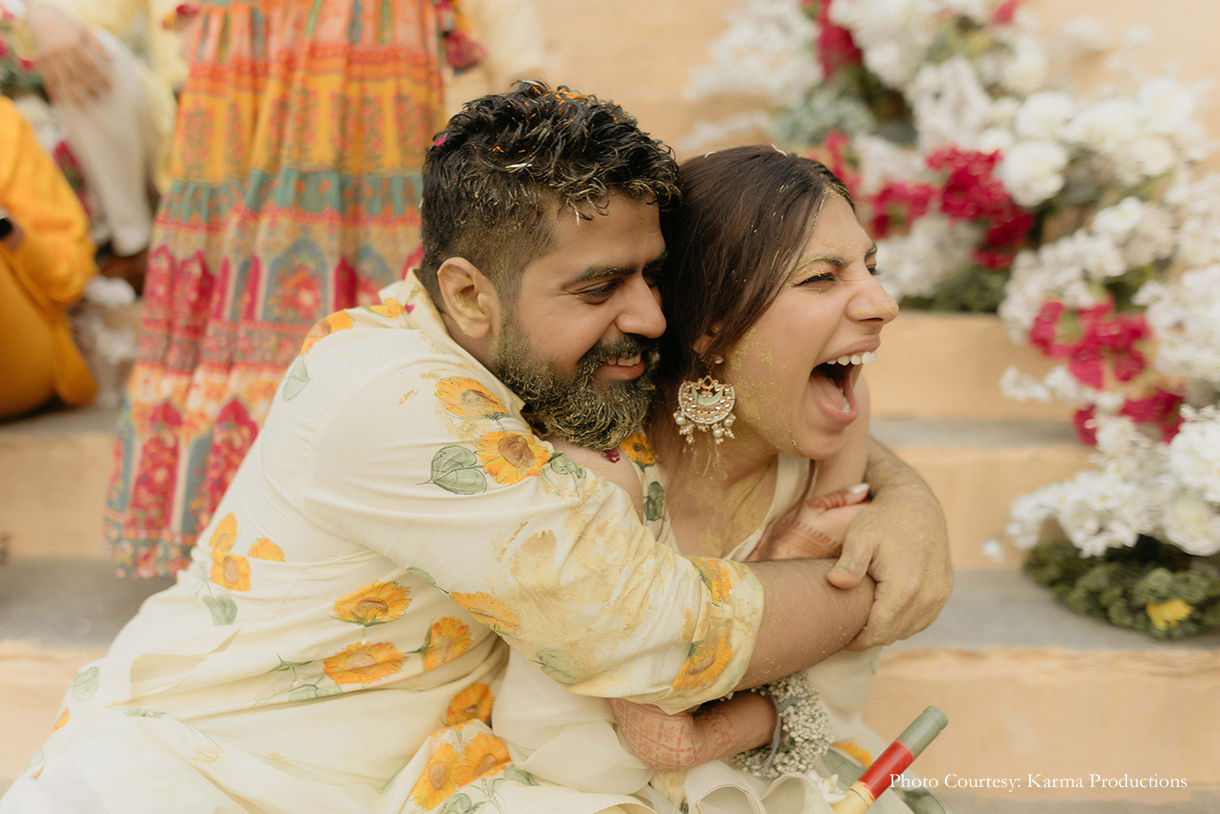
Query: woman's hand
{"points": [[72, 61], [675, 743], [816, 530]]}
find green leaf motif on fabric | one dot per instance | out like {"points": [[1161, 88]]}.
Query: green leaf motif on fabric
{"points": [[557, 664], [223, 608], [457, 469], [563, 465], [85, 684], [287, 665], [34, 760], [298, 377], [459, 803], [422, 574], [654, 501], [141, 712], [308, 692], [519, 776]]}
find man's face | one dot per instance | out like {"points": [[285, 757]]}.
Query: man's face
{"points": [[576, 345]]}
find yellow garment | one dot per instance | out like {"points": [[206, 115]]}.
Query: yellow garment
{"points": [[46, 273]]}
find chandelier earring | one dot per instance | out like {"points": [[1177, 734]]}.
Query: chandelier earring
{"points": [[706, 404]]}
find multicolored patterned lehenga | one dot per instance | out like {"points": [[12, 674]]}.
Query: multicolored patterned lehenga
{"points": [[301, 133]]}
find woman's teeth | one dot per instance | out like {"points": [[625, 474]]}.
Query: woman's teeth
{"points": [[866, 358]]}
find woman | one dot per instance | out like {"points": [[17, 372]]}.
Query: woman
{"points": [[770, 289], [301, 131]]}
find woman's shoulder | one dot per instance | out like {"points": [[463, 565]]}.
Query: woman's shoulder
{"points": [[611, 466]]}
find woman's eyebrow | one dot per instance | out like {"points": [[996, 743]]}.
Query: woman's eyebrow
{"points": [[835, 260]]}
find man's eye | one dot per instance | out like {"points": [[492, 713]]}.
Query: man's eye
{"points": [[601, 291]]}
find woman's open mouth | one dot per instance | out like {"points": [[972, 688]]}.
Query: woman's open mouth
{"points": [[832, 385]]}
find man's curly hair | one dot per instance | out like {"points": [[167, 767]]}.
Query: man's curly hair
{"points": [[507, 162]]}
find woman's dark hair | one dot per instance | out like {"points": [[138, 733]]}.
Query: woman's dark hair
{"points": [[745, 214]]}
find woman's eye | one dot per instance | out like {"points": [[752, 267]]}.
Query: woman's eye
{"points": [[818, 278], [873, 270]]}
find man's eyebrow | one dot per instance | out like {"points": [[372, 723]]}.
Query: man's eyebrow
{"points": [[601, 272]]}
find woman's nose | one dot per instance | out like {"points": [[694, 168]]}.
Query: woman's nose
{"points": [[872, 302]]}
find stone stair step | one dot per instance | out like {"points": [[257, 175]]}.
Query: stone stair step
{"points": [[976, 467], [54, 470], [949, 366]]}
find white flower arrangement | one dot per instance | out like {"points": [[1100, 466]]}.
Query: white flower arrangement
{"points": [[981, 165]]}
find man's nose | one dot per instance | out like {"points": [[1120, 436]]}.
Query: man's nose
{"points": [[872, 303], [641, 313]]}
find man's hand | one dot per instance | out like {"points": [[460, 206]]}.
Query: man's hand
{"points": [[72, 61], [900, 541]]}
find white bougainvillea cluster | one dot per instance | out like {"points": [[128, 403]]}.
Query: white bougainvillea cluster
{"points": [[975, 154]]}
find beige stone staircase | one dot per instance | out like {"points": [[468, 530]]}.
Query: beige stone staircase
{"points": [[1029, 688]]}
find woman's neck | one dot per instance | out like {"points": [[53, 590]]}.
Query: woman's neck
{"points": [[717, 494]]}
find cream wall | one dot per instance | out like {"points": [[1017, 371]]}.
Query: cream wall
{"points": [[641, 53]]}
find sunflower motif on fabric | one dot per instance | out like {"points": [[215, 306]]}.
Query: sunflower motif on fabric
{"points": [[264, 549], [364, 663], [389, 307], [510, 457], [464, 397], [705, 662], [717, 578], [63, 719], [855, 750], [637, 448], [338, 321], [374, 604], [471, 704], [231, 571], [489, 611], [439, 779], [224, 534], [448, 639], [483, 756]]}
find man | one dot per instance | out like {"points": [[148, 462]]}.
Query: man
{"points": [[336, 643]]}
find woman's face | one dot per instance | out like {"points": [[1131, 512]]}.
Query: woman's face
{"points": [[791, 393]]}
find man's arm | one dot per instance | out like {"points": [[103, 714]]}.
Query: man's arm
{"points": [[899, 540]]}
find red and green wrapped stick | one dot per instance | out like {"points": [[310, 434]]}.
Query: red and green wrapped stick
{"points": [[892, 762]]}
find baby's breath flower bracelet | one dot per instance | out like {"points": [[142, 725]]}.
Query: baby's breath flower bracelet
{"points": [[803, 718]]}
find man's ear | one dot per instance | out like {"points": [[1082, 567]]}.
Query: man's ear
{"points": [[470, 299]]}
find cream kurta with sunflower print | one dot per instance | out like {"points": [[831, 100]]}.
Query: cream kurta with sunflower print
{"points": [[337, 642]]}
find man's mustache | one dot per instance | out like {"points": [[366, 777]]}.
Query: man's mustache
{"points": [[627, 346]]}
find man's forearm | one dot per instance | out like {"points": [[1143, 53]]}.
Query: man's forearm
{"points": [[805, 618], [886, 471]]}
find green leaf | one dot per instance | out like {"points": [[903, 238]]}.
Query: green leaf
{"points": [[35, 759], [422, 574], [654, 501], [518, 776], [287, 665], [298, 377], [457, 470], [141, 712], [558, 665], [562, 465], [459, 803], [223, 608], [85, 684]]}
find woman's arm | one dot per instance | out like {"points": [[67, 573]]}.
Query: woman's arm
{"points": [[674, 743]]}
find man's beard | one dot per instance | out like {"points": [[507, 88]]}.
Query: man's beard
{"points": [[575, 407]]}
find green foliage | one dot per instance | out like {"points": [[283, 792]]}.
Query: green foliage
{"points": [[973, 290], [1121, 585]]}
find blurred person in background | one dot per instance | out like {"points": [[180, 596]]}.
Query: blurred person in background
{"points": [[46, 258], [295, 183], [114, 111]]}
